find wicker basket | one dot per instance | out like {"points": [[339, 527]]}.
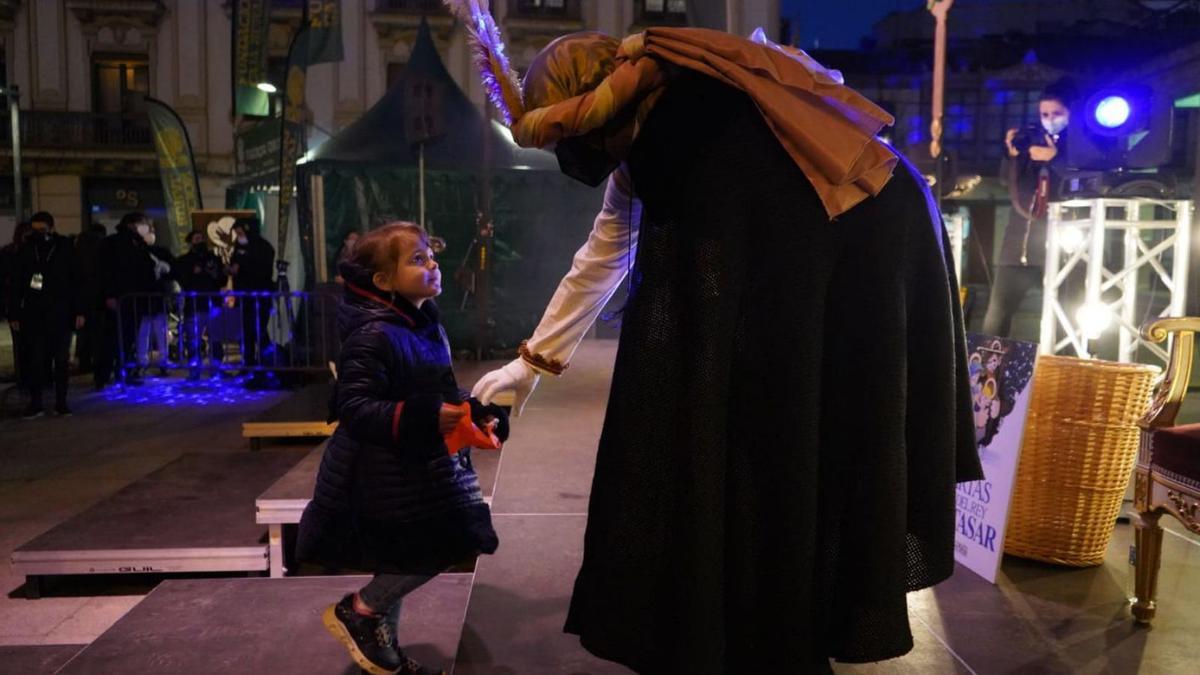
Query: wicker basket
{"points": [[1081, 440]]}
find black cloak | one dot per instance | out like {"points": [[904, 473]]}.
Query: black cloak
{"points": [[789, 412]]}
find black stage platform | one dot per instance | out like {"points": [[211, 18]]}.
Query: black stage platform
{"points": [[36, 659], [195, 514], [303, 414], [239, 626]]}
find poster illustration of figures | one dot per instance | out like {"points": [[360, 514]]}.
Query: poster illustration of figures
{"points": [[218, 225], [1001, 373]]}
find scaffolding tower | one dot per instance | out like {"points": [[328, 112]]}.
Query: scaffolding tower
{"points": [[1080, 234]]}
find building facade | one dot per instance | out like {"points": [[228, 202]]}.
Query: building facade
{"points": [[83, 67]]}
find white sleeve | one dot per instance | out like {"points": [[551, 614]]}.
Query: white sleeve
{"points": [[596, 273]]}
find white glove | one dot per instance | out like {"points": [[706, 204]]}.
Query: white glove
{"points": [[518, 377]]}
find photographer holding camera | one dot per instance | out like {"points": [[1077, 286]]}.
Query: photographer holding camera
{"points": [[1034, 160]]}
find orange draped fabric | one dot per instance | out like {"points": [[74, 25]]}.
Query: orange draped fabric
{"points": [[827, 128]]}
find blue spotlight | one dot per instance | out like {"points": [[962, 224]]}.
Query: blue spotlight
{"points": [[1112, 112]]}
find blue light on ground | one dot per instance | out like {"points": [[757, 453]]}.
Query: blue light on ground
{"points": [[176, 393], [1112, 112]]}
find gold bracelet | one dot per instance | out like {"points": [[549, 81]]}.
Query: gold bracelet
{"points": [[552, 366]]}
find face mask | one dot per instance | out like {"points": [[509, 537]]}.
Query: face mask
{"points": [[150, 238], [143, 229], [242, 241], [585, 158], [1055, 126]]}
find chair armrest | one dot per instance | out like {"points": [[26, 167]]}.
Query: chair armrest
{"points": [[1168, 394]]}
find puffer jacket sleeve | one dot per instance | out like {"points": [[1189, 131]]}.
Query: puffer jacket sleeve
{"points": [[364, 401]]}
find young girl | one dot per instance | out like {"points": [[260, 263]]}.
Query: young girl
{"points": [[390, 498]]}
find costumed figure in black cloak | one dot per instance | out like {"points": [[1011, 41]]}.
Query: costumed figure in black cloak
{"points": [[790, 408]]}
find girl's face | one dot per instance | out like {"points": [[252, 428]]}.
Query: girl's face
{"points": [[416, 278]]}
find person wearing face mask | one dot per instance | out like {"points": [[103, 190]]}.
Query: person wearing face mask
{"points": [[47, 308], [1032, 167], [736, 465], [199, 271], [126, 268], [251, 266], [90, 339], [9, 255], [152, 326]]}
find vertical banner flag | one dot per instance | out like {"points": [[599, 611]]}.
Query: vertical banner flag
{"points": [[1001, 373], [181, 187], [324, 31], [291, 140], [250, 21]]}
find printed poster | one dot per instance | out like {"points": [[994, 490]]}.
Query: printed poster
{"points": [[1001, 373]]}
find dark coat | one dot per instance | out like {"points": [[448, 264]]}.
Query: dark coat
{"points": [[125, 265], [90, 277], [1026, 236], [255, 265], [789, 411], [199, 271], [164, 278], [389, 498], [8, 267], [54, 307]]}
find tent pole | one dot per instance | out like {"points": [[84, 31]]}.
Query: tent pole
{"points": [[421, 178]]}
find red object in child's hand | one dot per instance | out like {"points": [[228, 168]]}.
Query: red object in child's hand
{"points": [[466, 434]]}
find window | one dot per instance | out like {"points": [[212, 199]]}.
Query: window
{"points": [[119, 83], [670, 12], [411, 6], [549, 9]]}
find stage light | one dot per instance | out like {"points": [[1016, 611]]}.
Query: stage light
{"points": [[1122, 127], [1112, 112], [267, 87], [1094, 319], [1070, 238]]}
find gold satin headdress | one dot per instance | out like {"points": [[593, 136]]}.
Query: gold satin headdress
{"points": [[579, 83]]}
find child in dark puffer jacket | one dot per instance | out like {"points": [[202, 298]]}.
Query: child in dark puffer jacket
{"points": [[391, 498]]}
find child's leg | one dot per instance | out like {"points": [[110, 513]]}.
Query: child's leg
{"points": [[386, 590]]}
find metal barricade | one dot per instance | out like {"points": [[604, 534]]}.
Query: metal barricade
{"points": [[252, 331]]}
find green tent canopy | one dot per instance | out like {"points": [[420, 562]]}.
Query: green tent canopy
{"points": [[369, 175]]}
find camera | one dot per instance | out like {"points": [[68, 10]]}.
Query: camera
{"points": [[1028, 136]]}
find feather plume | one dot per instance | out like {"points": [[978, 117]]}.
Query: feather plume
{"points": [[487, 50]]}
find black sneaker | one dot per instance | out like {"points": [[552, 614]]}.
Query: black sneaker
{"points": [[33, 412], [62, 410], [371, 640], [411, 667]]}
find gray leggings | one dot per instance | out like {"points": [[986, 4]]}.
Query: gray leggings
{"points": [[384, 593]]}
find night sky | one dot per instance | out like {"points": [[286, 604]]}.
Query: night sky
{"points": [[839, 24]]}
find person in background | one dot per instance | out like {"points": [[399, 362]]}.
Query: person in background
{"points": [[252, 266], [87, 255], [8, 265], [199, 271], [153, 324], [344, 252], [1034, 159], [47, 308], [125, 268]]}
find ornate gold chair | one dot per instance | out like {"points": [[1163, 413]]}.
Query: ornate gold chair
{"points": [[1167, 477]]}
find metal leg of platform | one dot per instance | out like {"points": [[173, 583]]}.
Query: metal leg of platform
{"points": [[275, 549]]}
